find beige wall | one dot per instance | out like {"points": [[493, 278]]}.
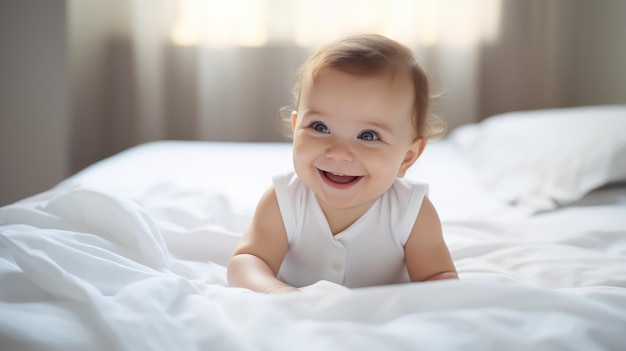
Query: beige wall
{"points": [[62, 89], [34, 112]]}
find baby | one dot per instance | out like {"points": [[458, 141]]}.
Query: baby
{"points": [[346, 215]]}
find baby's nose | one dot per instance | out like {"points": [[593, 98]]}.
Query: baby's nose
{"points": [[340, 151]]}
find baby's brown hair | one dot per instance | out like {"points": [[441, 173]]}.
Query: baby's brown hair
{"points": [[372, 54]]}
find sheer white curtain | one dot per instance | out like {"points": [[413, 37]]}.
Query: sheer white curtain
{"points": [[221, 69], [145, 70]]}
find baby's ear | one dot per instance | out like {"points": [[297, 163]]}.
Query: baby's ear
{"points": [[412, 154], [294, 119]]}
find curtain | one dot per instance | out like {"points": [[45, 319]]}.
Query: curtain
{"points": [[222, 69]]}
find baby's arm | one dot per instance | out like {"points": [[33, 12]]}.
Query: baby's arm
{"points": [[425, 253], [258, 255]]}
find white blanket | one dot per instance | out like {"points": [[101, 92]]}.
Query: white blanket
{"points": [[83, 268]]}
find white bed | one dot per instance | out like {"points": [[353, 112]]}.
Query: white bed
{"points": [[130, 253]]}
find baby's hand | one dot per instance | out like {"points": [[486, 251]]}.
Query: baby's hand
{"points": [[324, 286]]}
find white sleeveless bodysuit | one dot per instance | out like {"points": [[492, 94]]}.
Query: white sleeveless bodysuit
{"points": [[369, 252]]}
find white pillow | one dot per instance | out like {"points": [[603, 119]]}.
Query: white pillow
{"points": [[545, 158]]}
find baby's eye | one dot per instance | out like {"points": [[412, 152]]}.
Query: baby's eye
{"points": [[369, 135], [319, 127]]}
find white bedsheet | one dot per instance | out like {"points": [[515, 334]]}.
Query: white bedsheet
{"points": [[130, 254]]}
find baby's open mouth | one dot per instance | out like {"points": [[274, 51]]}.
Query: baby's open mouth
{"points": [[339, 178]]}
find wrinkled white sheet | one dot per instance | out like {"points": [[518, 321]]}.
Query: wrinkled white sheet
{"points": [[130, 254]]}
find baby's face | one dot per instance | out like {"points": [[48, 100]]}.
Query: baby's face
{"points": [[353, 136]]}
